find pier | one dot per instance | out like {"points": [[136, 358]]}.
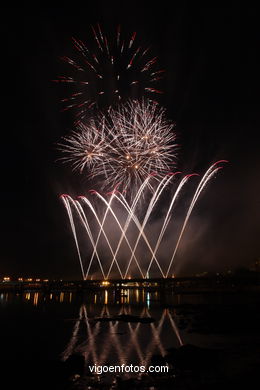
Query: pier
{"points": [[178, 285]]}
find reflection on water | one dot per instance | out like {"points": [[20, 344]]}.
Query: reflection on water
{"points": [[102, 339], [98, 339], [127, 297], [35, 298], [113, 342], [61, 324], [49, 329]]}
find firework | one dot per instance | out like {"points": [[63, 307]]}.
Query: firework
{"points": [[111, 71], [87, 146], [84, 211], [123, 146]]}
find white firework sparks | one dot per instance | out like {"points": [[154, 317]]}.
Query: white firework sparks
{"points": [[124, 146], [87, 146]]}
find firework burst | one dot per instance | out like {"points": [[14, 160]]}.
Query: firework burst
{"points": [[123, 142], [123, 146], [112, 71]]}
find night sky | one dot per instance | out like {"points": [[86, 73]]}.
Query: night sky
{"points": [[209, 54]]}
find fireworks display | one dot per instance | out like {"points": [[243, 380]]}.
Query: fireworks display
{"points": [[127, 147], [87, 216], [124, 146], [112, 71]]}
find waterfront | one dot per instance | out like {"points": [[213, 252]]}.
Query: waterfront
{"points": [[41, 334]]}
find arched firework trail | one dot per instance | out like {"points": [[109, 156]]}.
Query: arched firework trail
{"points": [[124, 146], [109, 70], [111, 209]]}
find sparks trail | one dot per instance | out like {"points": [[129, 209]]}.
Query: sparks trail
{"points": [[124, 145], [108, 71], [111, 209]]}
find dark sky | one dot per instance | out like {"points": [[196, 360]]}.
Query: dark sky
{"points": [[209, 54]]}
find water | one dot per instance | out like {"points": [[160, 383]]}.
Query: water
{"points": [[41, 332]]}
